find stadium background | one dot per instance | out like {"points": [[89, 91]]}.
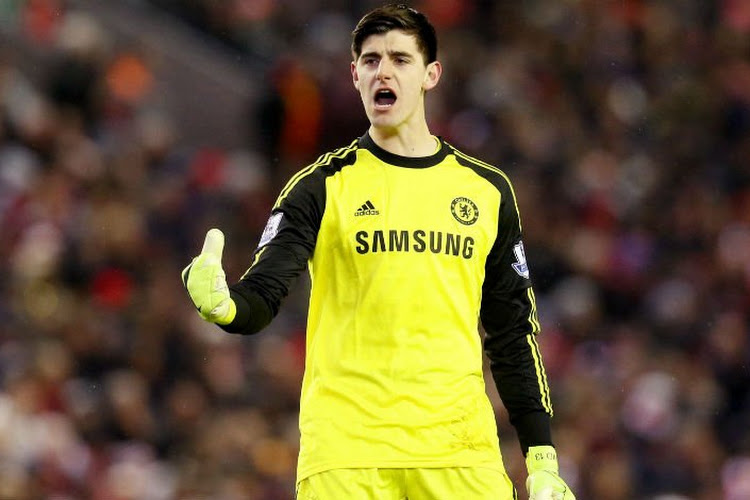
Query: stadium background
{"points": [[128, 127]]}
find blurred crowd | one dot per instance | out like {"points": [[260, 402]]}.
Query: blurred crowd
{"points": [[624, 125]]}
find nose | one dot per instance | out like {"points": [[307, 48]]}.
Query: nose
{"points": [[384, 69]]}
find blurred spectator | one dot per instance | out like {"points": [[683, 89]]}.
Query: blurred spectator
{"points": [[624, 125]]}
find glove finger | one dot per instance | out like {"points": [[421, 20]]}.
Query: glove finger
{"points": [[186, 274], [214, 243]]}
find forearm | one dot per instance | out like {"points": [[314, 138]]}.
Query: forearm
{"points": [[519, 375], [533, 429], [253, 312], [259, 294], [517, 367]]}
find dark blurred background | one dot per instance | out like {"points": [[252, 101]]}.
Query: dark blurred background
{"points": [[129, 127]]}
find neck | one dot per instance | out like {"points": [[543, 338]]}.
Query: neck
{"points": [[410, 143]]}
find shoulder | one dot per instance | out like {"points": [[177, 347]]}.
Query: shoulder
{"points": [[312, 177], [333, 161], [496, 176]]}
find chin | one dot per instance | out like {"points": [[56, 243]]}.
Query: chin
{"points": [[384, 122]]}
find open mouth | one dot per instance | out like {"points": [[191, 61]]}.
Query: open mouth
{"points": [[384, 98]]}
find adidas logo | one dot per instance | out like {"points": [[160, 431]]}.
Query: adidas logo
{"points": [[367, 208]]}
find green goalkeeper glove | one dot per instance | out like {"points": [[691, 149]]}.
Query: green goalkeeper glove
{"points": [[206, 282], [543, 481]]}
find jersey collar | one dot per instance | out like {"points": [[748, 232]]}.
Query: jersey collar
{"points": [[367, 143]]}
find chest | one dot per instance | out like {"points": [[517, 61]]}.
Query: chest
{"points": [[443, 209]]}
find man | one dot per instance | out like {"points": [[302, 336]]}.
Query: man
{"points": [[409, 242]]}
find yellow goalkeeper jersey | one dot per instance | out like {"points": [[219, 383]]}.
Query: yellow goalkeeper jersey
{"points": [[405, 256]]}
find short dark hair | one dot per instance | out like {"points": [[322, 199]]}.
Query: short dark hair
{"points": [[397, 17]]}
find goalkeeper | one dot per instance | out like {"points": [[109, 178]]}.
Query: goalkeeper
{"points": [[409, 243]]}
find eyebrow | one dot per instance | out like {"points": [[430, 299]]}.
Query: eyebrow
{"points": [[394, 53]]}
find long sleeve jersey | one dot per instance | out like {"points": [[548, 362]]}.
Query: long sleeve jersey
{"points": [[406, 256]]}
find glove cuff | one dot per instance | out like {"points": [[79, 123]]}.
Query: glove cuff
{"points": [[541, 458]]}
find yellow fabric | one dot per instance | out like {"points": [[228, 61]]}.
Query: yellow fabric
{"points": [[394, 362], [414, 484]]}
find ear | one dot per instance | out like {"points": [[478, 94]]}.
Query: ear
{"points": [[355, 75], [432, 75]]}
